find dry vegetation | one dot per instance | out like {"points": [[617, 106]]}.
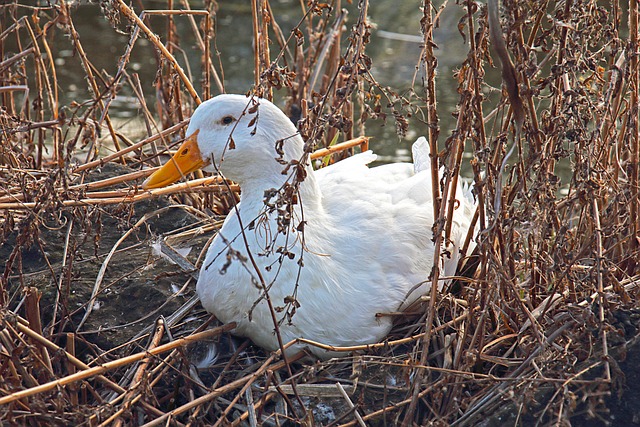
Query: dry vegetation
{"points": [[537, 322]]}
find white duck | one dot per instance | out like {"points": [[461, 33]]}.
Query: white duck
{"points": [[358, 242]]}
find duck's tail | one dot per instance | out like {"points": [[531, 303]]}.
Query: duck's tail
{"points": [[420, 152], [463, 214]]}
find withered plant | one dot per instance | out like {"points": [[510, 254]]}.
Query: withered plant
{"points": [[533, 328]]}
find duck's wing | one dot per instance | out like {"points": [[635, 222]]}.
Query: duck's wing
{"points": [[394, 201], [355, 170], [377, 228]]}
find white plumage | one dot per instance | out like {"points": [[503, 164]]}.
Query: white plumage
{"points": [[359, 241]]}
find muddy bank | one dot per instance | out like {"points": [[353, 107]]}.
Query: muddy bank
{"points": [[137, 285]]}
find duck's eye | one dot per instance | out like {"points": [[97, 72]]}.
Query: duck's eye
{"points": [[227, 120]]}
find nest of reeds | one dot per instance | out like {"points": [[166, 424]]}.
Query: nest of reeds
{"points": [[99, 321]]}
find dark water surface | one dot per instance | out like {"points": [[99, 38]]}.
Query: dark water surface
{"points": [[394, 49]]}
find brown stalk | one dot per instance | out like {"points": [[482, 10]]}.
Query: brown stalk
{"points": [[23, 327], [63, 274], [205, 48], [257, 44], [429, 59], [241, 382], [207, 65], [362, 142], [527, 93], [134, 147], [246, 387], [600, 286], [91, 185], [480, 142], [52, 88], [105, 367], [633, 130], [126, 195], [186, 12], [97, 93], [613, 103], [32, 307], [130, 397], [266, 398], [128, 12], [329, 44], [23, 88], [284, 45], [15, 58], [509, 75], [71, 369], [17, 370], [122, 63], [39, 72], [264, 40], [32, 126], [202, 184]]}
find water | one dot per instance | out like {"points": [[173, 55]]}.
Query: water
{"points": [[394, 49]]}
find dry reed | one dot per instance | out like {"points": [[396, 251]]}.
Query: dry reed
{"points": [[532, 332]]}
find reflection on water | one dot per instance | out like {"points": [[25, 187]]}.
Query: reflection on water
{"points": [[394, 49]]}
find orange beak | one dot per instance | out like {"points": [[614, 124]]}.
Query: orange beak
{"points": [[186, 160]]}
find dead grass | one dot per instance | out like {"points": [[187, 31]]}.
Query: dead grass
{"points": [[535, 326]]}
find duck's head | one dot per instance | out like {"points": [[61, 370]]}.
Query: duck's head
{"points": [[239, 136]]}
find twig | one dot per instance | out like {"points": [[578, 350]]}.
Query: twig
{"points": [[361, 141], [634, 133], [7, 62], [430, 62], [126, 10], [213, 394], [33, 317], [194, 185], [71, 350], [470, 414], [91, 79], [134, 147], [136, 383], [98, 370], [600, 284], [351, 405]]}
